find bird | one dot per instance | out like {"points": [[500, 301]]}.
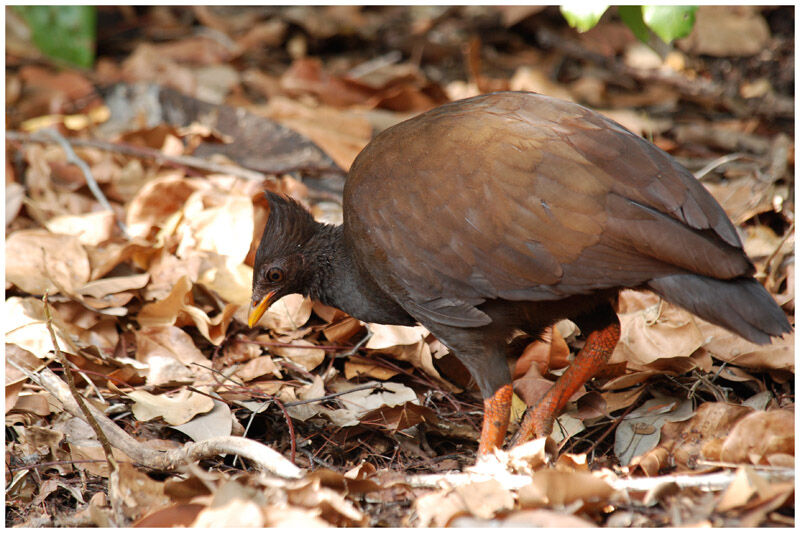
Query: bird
{"points": [[504, 213]]}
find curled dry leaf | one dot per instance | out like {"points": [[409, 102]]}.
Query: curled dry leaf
{"points": [[302, 352], [24, 325], [90, 228], [216, 221], [745, 485], [233, 511], [758, 435], [15, 197], [483, 499], [287, 314], [216, 423], [729, 347], [708, 428], [103, 287], [332, 506], [175, 410], [227, 277], [170, 353], [255, 368], [560, 488], [356, 366], [38, 261], [653, 332], [384, 336], [157, 202], [176, 309], [549, 353], [358, 403]]}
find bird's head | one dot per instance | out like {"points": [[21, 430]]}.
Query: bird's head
{"points": [[280, 266]]}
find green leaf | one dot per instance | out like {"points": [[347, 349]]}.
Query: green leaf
{"points": [[584, 16], [669, 22], [65, 33], [632, 17]]}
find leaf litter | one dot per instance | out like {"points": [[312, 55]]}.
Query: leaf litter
{"points": [[688, 425]]}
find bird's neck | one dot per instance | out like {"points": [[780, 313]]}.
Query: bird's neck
{"points": [[337, 281]]}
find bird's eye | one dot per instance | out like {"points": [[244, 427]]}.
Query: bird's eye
{"points": [[275, 275]]}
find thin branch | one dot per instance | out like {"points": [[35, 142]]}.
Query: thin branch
{"points": [[263, 457], [73, 158], [715, 481], [725, 159], [112, 463], [183, 161]]}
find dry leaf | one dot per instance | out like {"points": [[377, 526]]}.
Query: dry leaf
{"points": [[385, 336], [216, 221], [358, 403], [287, 314], [24, 325], [216, 423], [559, 488], [302, 352], [38, 261], [175, 410], [255, 368], [759, 435], [90, 229], [103, 287]]}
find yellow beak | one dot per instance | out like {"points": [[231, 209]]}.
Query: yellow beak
{"points": [[257, 311]]}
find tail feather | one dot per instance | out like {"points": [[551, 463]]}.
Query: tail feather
{"points": [[741, 305]]}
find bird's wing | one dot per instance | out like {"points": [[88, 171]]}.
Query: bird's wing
{"points": [[525, 199]]}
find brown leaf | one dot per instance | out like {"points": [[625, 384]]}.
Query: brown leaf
{"points": [[702, 435], [103, 287], [558, 488], [759, 435], [302, 352], [38, 261], [356, 366], [90, 228], [660, 331], [400, 417], [175, 410], [729, 347]]}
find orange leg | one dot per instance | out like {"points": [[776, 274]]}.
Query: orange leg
{"points": [[538, 420], [496, 412]]}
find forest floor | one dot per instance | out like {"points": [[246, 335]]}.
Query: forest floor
{"points": [[134, 202]]}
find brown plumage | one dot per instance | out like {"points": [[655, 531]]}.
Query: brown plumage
{"points": [[507, 212]]}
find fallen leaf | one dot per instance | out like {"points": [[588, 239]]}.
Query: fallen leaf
{"points": [[216, 423], [758, 435], [38, 261], [90, 228], [640, 430], [175, 410], [103, 287], [358, 403]]}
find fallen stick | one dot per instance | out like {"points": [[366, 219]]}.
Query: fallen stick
{"points": [[262, 456]]}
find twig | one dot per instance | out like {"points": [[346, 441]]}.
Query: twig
{"points": [[113, 467], [150, 153], [767, 263], [616, 422], [725, 159], [112, 463], [262, 456], [73, 158], [715, 481], [357, 346]]}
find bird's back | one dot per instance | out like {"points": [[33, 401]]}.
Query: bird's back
{"points": [[522, 197]]}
